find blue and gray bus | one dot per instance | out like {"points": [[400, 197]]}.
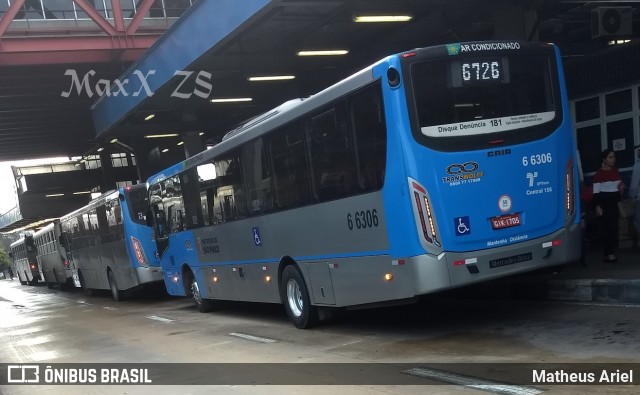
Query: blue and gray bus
{"points": [[431, 169], [109, 245]]}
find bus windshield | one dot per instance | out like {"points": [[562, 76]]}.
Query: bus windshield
{"points": [[476, 94]]}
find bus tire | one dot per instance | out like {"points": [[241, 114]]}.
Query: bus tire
{"points": [[203, 305], [83, 285], [296, 299], [113, 286]]}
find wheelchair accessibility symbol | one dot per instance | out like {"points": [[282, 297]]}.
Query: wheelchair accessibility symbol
{"points": [[462, 225], [256, 236]]}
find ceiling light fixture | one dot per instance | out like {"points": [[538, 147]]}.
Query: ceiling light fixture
{"points": [[165, 150], [54, 195], [149, 117], [180, 143], [329, 52], [113, 141], [157, 136], [272, 78], [381, 18], [231, 100], [100, 149], [81, 193]]}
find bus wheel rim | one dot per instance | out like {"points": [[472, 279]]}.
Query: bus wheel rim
{"points": [[196, 292], [294, 298]]}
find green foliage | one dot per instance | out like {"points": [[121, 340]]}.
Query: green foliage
{"points": [[5, 262]]}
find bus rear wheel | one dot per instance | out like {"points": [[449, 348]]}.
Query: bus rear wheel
{"points": [[296, 299], [113, 285], [203, 305]]}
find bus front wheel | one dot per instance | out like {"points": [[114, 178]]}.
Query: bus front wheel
{"points": [[203, 305], [296, 299]]}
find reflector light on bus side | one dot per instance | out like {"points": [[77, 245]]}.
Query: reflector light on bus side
{"points": [[137, 248], [424, 215], [570, 206]]}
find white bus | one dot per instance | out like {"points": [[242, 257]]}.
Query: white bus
{"points": [[52, 257], [25, 262]]}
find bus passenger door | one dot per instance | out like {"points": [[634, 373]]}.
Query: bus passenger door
{"points": [[67, 255], [157, 220]]}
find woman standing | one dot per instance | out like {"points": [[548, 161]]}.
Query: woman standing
{"points": [[607, 191]]}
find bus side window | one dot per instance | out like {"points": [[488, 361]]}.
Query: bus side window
{"points": [[291, 187], [193, 211], [331, 154], [229, 199], [369, 128], [257, 178], [102, 213], [207, 179]]}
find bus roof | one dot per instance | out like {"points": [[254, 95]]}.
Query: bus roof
{"points": [[20, 240], [286, 112], [94, 202], [45, 229]]}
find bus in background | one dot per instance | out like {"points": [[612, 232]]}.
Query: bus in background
{"points": [[432, 169], [25, 263], [109, 245], [52, 257]]}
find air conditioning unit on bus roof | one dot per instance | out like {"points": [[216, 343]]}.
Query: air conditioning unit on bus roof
{"points": [[611, 21], [262, 117]]}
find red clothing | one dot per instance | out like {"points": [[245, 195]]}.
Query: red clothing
{"points": [[606, 186]]}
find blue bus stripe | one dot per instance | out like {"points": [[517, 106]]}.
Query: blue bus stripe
{"points": [[303, 258]]}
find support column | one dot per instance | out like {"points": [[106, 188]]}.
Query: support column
{"points": [[107, 181], [513, 22], [192, 143], [142, 150]]}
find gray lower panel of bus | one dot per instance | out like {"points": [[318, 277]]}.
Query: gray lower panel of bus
{"points": [[365, 280], [555, 249], [94, 261], [24, 272], [53, 269]]}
